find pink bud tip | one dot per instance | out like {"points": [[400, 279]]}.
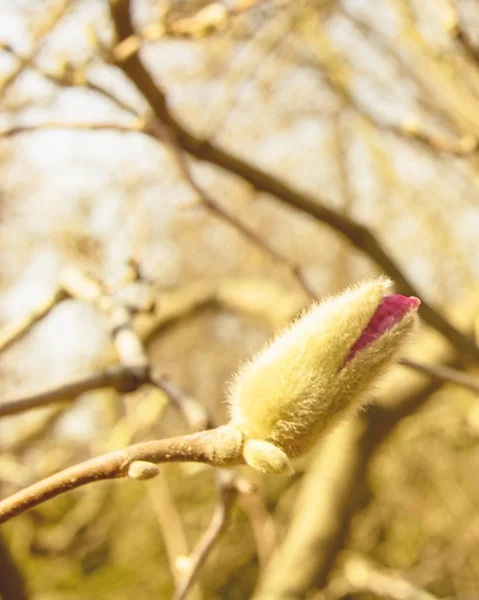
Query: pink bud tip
{"points": [[389, 312]]}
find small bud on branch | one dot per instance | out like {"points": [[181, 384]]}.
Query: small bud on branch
{"points": [[142, 470]]}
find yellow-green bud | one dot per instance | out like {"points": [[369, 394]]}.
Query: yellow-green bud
{"points": [[317, 371]]}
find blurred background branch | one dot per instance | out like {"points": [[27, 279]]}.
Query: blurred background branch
{"points": [[12, 583]]}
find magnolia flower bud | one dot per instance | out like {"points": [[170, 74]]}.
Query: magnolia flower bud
{"points": [[317, 371]]}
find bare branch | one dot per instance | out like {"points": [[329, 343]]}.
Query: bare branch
{"points": [[54, 15], [228, 491], [29, 433], [10, 132], [262, 523], [76, 77], [409, 128], [359, 574], [124, 378], [219, 447], [194, 413], [11, 332], [204, 150], [215, 207], [120, 378], [171, 526], [443, 373]]}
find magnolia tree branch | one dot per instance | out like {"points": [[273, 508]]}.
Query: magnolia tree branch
{"points": [[130, 374], [194, 413], [120, 378], [229, 485], [172, 530], [13, 331], [54, 15], [255, 420], [10, 132], [410, 128], [360, 575], [215, 208], [220, 447], [444, 373]]}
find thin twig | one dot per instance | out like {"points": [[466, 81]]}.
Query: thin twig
{"points": [[32, 431], [133, 356], [409, 129], [124, 378], [120, 378], [215, 207], [263, 525], [15, 130], [359, 574], [170, 524], [228, 491], [220, 447], [11, 332], [194, 413], [443, 373], [54, 15]]}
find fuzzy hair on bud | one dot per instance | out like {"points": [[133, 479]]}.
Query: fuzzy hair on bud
{"points": [[318, 371]]}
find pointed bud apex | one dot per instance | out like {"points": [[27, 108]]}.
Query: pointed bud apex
{"points": [[318, 371]]}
